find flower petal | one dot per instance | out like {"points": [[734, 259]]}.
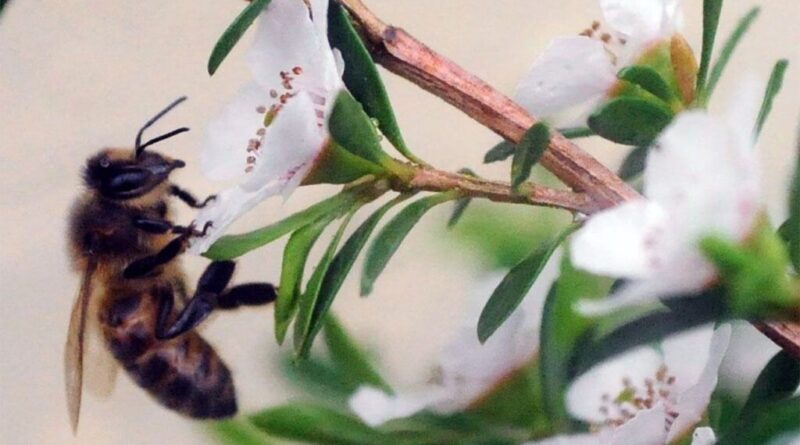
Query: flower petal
{"points": [[704, 436], [648, 427], [224, 154], [375, 407], [585, 396], [641, 20], [576, 439], [572, 72], [289, 147], [696, 172], [229, 205], [287, 38], [693, 402], [624, 241], [686, 354]]}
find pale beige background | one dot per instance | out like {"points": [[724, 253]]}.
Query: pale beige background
{"points": [[79, 75]]}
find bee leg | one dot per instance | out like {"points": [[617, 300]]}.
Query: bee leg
{"points": [[143, 266], [152, 225], [188, 198], [213, 281], [249, 294]]}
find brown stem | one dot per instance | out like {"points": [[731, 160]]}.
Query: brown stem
{"points": [[439, 181], [409, 58]]}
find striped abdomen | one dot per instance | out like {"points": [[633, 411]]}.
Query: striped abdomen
{"points": [[184, 374]]}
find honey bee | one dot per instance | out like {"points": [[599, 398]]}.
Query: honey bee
{"points": [[133, 294]]}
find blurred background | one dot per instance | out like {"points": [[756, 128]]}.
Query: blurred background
{"points": [[76, 76]]}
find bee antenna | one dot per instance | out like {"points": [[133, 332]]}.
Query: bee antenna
{"points": [[139, 147]]}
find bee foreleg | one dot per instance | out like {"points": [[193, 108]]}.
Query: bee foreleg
{"points": [[188, 198], [143, 266], [152, 225]]}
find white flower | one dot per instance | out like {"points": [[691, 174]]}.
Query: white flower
{"points": [[271, 133], [650, 398], [467, 369], [701, 178], [575, 74]]}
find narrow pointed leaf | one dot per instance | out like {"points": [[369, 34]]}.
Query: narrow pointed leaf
{"points": [[232, 246], [316, 424], [775, 424], [561, 331], [712, 9], [239, 432], [500, 152], [307, 301], [528, 152], [727, 51], [234, 32], [458, 211], [631, 120], [292, 267], [362, 78], [342, 264], [778, 380], [352, 129], [576, 132], [634, 163], [515, 286], [773, 88], [352, 362], [392, 235], [793, 224], [650, 80]]}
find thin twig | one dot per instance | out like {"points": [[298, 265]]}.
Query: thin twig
{"points": [[437, 181], [407, 57]]}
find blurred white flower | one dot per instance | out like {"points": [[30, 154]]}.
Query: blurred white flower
{"points": [[574, 74], [467, 369], [270, 134], [650, 398], [701, 178]]}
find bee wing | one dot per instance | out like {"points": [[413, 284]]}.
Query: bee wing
{"points": [[100, 369], [73, 353]]}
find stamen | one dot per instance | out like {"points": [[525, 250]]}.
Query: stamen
{"points": [[261, 109]]}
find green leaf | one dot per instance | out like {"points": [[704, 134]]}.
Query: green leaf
{"points": [[316, 424], [684, 313], [350, 359], [528, 152], [352, 129], [561, 331], [500, 152], [362, 78], [232, 246], [778, 380], [793, 224], [392, 235], [234, 32], [630, 120], [576, 132], [317, 378], [308, 300], [459, 208], [712, 9], [515, 286], [650, 80], [773, 88], [294, 261], [239, 432], [634, 163], [342, 264], [777, 423], [727, 51]]}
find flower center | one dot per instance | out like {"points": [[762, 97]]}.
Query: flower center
{"points": [[633, 398], [277, 100]]}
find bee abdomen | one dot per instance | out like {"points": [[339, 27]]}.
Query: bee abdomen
{"points": [[188, 376], [184, 374]]}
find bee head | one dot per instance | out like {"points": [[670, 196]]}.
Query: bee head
{"points": [[122, 174]]}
